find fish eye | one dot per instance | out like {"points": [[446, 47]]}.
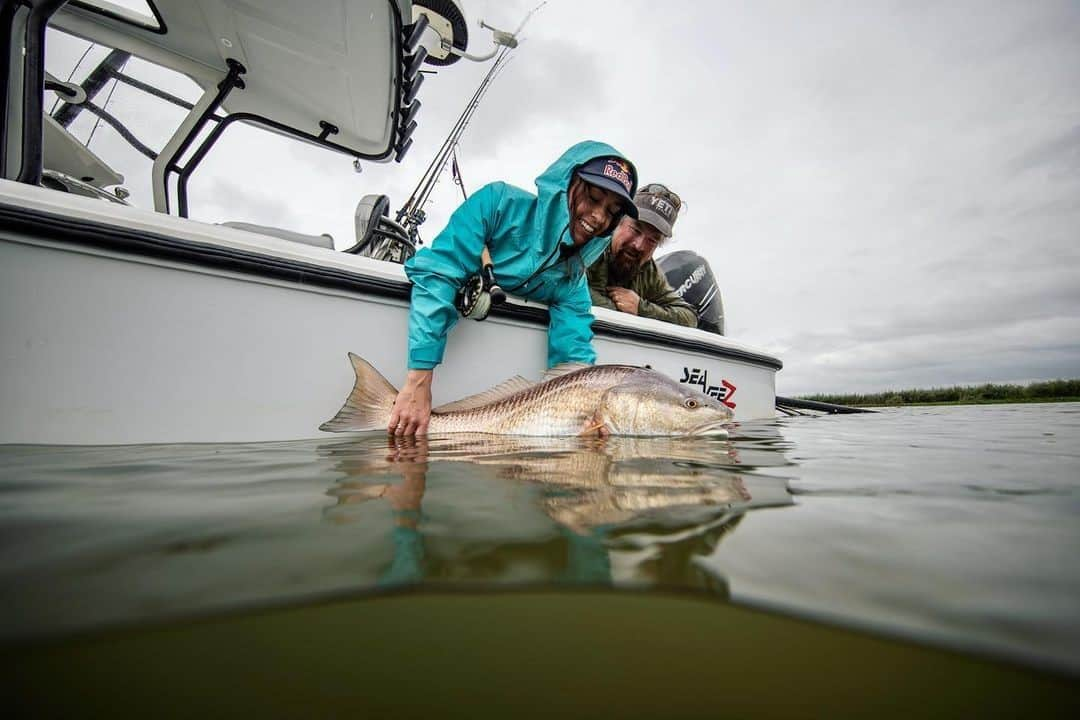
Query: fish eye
{"points": [[690, 403]]}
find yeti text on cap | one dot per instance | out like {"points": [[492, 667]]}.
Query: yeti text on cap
{"points": [[662, 206]]}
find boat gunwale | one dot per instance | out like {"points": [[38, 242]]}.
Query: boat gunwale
{"points": [[81, 231]]}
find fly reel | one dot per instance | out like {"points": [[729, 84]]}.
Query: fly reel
{"points": [[479, 294]]}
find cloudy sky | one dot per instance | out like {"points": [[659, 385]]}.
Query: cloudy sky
{"points": [[888, 192]]}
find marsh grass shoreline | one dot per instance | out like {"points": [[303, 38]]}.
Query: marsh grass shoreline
{"points": [[988, 394]]}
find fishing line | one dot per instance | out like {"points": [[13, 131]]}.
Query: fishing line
{"points": [[71, 75], [105, 105]]}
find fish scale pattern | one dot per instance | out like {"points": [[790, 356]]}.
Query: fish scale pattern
{"points": [[562, 406]]}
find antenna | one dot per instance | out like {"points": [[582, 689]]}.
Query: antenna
{"points": [[411, 215]]}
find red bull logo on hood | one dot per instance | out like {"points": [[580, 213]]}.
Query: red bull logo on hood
{"points": [[619, 170]]}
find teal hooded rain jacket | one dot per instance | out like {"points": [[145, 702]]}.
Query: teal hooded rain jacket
{"points": [[523, 232]]}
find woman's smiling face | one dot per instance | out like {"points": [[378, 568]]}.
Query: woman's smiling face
{"points": [[592, 210]]}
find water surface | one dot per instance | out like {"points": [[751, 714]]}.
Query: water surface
{"points": [[953, 526]]}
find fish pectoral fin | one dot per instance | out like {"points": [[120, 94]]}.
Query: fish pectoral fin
{"points": [[503, 390], [368, 405], [590, 429], [595, 425]]}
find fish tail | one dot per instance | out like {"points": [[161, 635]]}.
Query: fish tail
{"points": [[368, 405]]}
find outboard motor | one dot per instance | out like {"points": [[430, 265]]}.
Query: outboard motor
{"points": [[377, 236], [693, 280]]}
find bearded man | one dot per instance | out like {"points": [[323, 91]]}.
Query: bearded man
{"points": [[625, 277]]}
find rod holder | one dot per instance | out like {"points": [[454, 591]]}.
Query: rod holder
{"points": [[416, 34], [412, 66], [409, 113], [411, 89]]}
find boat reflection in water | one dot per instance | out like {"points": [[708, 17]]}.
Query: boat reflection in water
{"points": [[626, 511]]}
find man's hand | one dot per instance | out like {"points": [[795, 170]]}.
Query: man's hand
{"points": [[412, 408], [625, 299]]}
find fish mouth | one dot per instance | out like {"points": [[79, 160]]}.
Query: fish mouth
{"points": [[715, 428]]}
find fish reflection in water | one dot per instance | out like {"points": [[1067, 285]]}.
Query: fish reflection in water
{"points": [[632, 502], [126, 535]]}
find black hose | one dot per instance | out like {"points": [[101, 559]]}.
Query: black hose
{"points": [[119, 128]]}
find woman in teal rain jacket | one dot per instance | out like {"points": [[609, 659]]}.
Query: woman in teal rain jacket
{"points": [[540, 246]]}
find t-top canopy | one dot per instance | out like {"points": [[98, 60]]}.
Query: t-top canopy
{"points": [[307, 65]]}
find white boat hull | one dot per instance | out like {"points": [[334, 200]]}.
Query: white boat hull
{"points": [[105, 342]]}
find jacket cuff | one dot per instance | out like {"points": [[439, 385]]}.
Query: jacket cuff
{"points": [[425, 357]]}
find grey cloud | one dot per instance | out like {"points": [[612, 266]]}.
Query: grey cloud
{"points": [[958, 260], [1021, 331], [965, 314], [971, 212], [1023, 352], [1056, 207], [1062, 151], [223, 199], [522, 95]]}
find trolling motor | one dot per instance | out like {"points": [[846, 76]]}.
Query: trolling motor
{"points": [[480, 292]]}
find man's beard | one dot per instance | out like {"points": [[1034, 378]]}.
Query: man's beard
{"points": [[622, 267]]}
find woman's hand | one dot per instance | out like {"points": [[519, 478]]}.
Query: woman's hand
{"points": [[412, 408]]}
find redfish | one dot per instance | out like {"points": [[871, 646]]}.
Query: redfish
{"points": [[572, 399]]}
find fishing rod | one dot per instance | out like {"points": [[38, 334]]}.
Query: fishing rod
{"points": [[411, 215]]}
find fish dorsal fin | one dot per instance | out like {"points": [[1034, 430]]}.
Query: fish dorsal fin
{"points": [[503, 390], [563, 369]]}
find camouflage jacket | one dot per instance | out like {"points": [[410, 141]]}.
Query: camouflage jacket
{"points": [[658, 299]]}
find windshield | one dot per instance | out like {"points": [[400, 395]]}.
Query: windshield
{"points": [[136, 12], [116, 107]]}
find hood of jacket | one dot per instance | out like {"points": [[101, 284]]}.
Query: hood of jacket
{"points": [[553, 198]]}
